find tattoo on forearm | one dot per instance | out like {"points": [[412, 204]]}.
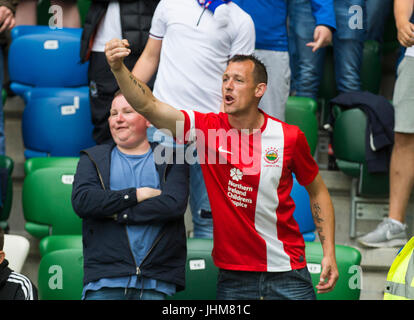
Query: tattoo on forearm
{"points": [[137, 83], [316, 213]]}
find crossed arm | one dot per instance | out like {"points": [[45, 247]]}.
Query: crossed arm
{"points": [[137, 93]]}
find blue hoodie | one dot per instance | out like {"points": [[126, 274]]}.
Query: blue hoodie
{"points": [[270, 17]]}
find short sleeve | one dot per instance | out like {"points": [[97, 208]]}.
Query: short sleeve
{"points": [[159, 22], [245, 39], [304, 166]]}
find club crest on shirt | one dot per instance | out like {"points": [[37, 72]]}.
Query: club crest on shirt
{"points": [[271, 155]]}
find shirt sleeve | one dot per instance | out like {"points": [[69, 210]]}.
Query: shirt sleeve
{"points": [[245, 38], [324, 13], [304, 166], [159, 22]]}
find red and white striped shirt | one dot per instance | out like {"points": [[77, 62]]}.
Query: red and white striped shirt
{"points": [[248, 179]]}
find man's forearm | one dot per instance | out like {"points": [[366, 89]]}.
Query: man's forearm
{"points": [[324, 219], [402, 11], [135, 91]]}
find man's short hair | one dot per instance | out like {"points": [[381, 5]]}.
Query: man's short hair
{"points": [[259, 71]]}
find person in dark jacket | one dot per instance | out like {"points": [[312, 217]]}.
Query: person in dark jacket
{"points": [[13, 285], [105, 20], [132, 196]]}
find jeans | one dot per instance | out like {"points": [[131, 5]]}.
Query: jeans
{"points": [[378, 12], [247, 285], [120, 294], [348, 44], [199, 202]]}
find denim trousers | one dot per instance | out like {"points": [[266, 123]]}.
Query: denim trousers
{"points": [[348, 44], [121, 294], [247, 285], [199, 202]]}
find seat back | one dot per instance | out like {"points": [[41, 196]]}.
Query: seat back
{"points": [[16, 248], [47, 205], [348, 286], [60, 275], [33, 164], [43, 57], [59, 242], [7, 163], [201, 273], [57, 122], [301, 112]]}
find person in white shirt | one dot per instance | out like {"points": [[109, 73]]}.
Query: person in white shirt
{"points": [[190, 42]]}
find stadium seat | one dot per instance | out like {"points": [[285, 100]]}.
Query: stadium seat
{"points": [[303, 213], [47, 205], [33, 164], [371, 70], [348, 286], [7, 163], [50, 56], [59, 242], [370, 76], [60, 275], [16, 248], [301, 111], [201, 273], [57, 122], [369, 192]]}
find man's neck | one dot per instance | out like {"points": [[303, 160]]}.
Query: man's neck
{"points": [[249, 121]]}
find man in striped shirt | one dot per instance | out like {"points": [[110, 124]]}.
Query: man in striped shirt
{"points": [[13, 285], [247, 158]]}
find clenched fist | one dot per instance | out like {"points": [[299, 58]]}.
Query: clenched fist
{"points": [[115, 51]]}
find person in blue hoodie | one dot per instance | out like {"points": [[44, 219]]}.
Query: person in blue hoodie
{"points": [[131, 196], [270, 20], [348, 43]]}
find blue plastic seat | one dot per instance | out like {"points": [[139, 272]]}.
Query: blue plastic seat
{"points": [[57, 122], [42, 57], [303, 213]]}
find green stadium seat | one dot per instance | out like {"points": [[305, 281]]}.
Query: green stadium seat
{"points": [[301, 111], [59, 242], [201, 273], [370, 76], [60, 275], [8, 163], [348, 259], [35, 163], [371, 70], [47, 205], [369, 192]]}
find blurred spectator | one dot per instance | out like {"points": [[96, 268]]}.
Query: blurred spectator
{"points": [[133, 218], [392, 231], [190, 46], [348, 42], [27, 9], [269, 17], [13, 285], [104, 21], [7, 22]]}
